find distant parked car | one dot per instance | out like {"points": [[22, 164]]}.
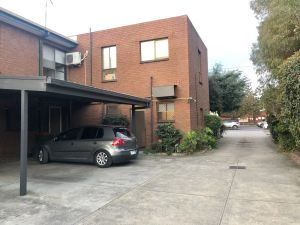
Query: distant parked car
{"points": [[234, 124], [265, 125], [102, 145], [260, 123]]}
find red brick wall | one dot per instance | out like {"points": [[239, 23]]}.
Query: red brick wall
{"points": [[87, 115], [19, 52], [134, 78], [198, 76]]}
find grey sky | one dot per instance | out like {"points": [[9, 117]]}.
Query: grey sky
{"points": [[227, 27]]}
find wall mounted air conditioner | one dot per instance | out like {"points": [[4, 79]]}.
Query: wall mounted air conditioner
{"points": [[73, 58]]}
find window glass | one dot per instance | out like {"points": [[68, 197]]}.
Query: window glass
{"points": [[69, 135], [122, 132], [161, 49], [48, 53], [147, 50], [109, 62], [89, 133], [106, 64], [154, 50], [113, 57], [165, 112], [100, 133], [60, 57]]}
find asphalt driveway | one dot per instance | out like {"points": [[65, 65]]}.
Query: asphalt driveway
{"points": [[198, 189]]}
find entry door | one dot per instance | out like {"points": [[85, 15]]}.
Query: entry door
{"points": [[140, 128], [55, 120]]}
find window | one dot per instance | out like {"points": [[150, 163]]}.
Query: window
{"points": [[109, 63], [112, 110], [165, 112], [53, 63], [69, 135], [154, 50], [199, 67], [121, 132], [92, 133]]}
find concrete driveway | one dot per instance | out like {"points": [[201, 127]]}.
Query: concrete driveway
{"points": [[198, 189]]}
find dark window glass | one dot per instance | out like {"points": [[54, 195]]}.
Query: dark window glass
{"points": [[89, 133], [121, 132], [69, 135], [100, 133]]}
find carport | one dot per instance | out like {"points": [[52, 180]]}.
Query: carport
{"points": [[47, 86]]}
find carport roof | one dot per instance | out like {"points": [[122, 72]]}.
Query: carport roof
{"points": [[48, 85]]}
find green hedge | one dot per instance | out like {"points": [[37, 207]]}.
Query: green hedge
{"points": [[285, 127]]}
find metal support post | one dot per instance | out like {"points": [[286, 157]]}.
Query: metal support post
{"points": [[24, 142], [133, 119]]}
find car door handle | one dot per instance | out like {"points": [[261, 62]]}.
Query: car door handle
{"points": [[72, 143], [95, 142]]}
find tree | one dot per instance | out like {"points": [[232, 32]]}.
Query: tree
{"points": [[277, 57], [250, 105], [279, 33], [226, 89]]}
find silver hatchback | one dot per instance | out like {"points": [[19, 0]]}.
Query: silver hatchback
{"points": [[102, 145]]}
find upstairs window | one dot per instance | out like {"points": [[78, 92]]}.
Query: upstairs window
{"points": [[53, 62], [109, 63], [154, 50]]}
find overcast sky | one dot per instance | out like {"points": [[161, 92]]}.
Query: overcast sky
{"points": [[227, 27]]}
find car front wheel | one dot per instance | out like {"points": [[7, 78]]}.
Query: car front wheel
{"points": [[43, 156], [235, 127], [103, 159]]}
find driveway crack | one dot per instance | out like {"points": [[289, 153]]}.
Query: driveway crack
{"points": [[227, 198]]}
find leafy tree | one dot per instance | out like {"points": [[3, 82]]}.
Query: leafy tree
{"points": [[226, 89], [277, 57], [250, 105], [279, 33]]}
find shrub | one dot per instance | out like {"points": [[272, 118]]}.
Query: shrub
{"points": [[169, 136], [116, 120], [190, 142], [214, 123], [194, 140], [207, 139]]}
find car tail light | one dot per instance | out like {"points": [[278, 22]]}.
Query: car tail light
{"points": [[118, 142]]}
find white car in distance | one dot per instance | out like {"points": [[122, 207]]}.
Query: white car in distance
{"points": [[234, 124]]}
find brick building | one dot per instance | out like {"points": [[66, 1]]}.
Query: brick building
{"points": [[163, 60], [122, 69]]}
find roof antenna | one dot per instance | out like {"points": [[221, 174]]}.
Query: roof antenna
{"points": [[46, 6]]}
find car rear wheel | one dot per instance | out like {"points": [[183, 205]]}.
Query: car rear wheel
{"points": [[103, 159], [43, 156], [235, 127]]}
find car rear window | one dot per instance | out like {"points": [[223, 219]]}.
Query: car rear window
{"points": [[121, 132]]}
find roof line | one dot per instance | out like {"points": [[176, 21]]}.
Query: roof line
{"points": [[34, 28]]}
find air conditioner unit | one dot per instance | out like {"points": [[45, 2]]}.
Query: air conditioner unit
{"points": [[73, 58]]}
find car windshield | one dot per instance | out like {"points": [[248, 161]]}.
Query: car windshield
{"points": [[122, 132]]}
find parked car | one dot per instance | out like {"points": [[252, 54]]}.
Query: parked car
{"points": [[265, 125], [102, 145], [260, 123], [234, 124]]}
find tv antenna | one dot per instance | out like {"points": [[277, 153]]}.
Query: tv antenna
{"points": [[46, 8]]}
